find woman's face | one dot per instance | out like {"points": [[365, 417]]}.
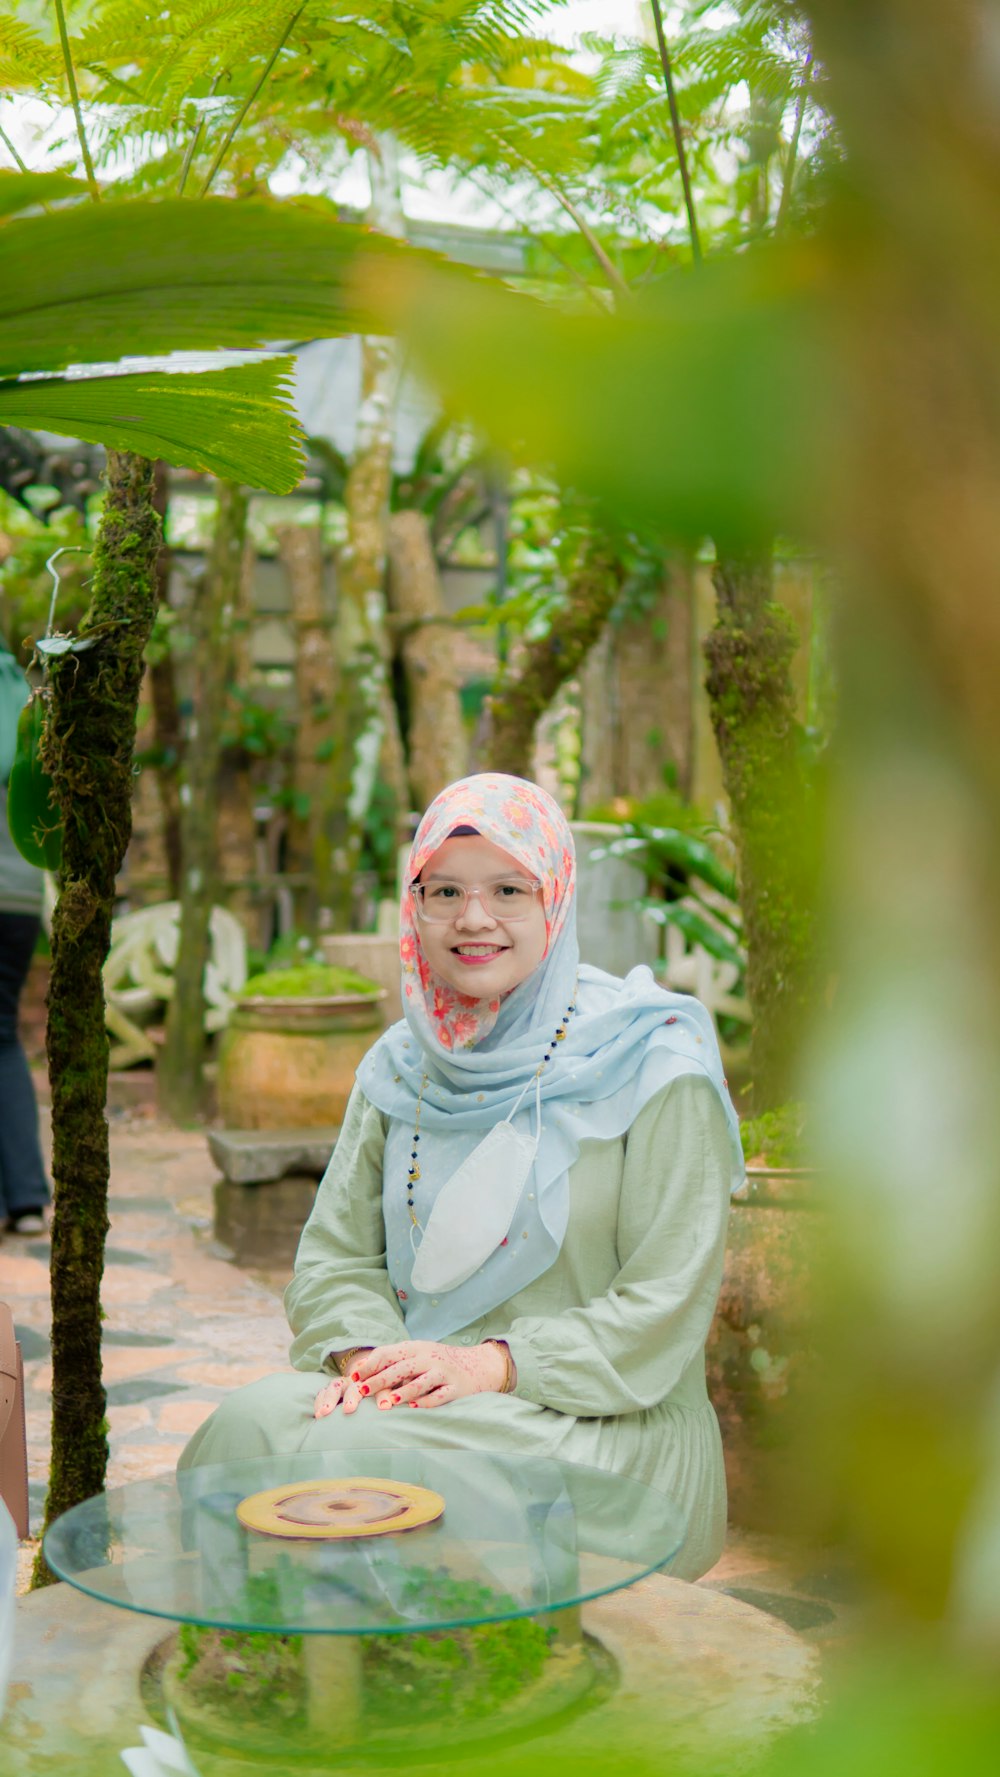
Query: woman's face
{"points": [[476, 951]]}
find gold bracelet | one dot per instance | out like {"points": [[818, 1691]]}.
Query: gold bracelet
{"points": [[510, 1374], [346, 1358]]}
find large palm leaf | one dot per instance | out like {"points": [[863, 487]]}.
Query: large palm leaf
{"points": [[87, 282], [238, 423]]}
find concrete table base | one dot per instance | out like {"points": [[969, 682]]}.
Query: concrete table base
{"points": [[703, 1678]]}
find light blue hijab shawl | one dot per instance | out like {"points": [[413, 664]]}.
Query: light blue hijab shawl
{"points": [[627, 1040]]}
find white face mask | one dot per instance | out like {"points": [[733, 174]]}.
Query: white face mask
{"points": [[473, 1211]]}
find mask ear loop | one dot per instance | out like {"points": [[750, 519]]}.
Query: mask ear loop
{"points": [[414, 1248], [537, 1083]]}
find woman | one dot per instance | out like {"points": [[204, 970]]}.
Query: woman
{"points": [[553, 1295]]}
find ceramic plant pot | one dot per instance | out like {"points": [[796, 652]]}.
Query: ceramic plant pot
{"points": [[290, 1063]]}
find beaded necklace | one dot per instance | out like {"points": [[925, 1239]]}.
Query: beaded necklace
{"points": [[413, 1173]]}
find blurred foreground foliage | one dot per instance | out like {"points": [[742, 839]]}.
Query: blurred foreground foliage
{"points": [[845, 389]]}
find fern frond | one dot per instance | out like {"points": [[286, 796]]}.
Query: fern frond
{"points": [[26, 60]]}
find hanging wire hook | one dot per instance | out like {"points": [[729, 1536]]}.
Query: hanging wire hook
{"points": [[66, 549], [51, 645]]}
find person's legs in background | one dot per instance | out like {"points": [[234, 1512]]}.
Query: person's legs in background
{"points": [[24, 1189]]}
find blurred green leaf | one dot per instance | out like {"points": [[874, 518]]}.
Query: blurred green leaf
{"points": [[22, 191], [237, 423], [703, 405]]}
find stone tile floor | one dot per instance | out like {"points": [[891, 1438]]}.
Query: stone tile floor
{"points": [[184, 1326]]}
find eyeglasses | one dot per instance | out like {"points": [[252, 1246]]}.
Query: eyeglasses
{"points": [[510, 898]]}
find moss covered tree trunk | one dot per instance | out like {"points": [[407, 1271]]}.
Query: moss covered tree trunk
{"points": [[364, 731], [88, 746], [154, 859], [436, 742], [165, 704], [301, 550], [239, 861], [180, 1074], [541, 667], [771, 796]]}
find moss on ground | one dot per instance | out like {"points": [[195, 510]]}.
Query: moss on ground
{"points": [[309, 981], [438, 1676]]}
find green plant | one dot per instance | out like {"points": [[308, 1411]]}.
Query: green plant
{"points": [[380, 840], [32, 813], [293, 950], [777, 1137], [254, 727], [688, 886]]}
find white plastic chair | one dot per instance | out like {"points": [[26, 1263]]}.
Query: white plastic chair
{"points": [[139, 978], [160, 1755]]}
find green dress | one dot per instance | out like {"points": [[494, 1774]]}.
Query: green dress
{"points": [[609, 1343]]}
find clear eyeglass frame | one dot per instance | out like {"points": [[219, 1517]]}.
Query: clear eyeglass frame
{"points": [[445, 908]]}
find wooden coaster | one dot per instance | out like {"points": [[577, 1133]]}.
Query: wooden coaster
{"points": [[357, 1505]]}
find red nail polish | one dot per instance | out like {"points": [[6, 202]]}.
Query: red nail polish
{"points": [[355, 1375], [397, 1398], [365, 1388]]}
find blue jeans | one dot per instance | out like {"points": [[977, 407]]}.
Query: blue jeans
{"points": [[23, 1184]]}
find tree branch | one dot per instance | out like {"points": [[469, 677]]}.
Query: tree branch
{"points": [[607, 265], [227, 140], [675, 122], [788, 171], [75, 102], [8, 144], [192, 150], [546, 663], [529, 234]]}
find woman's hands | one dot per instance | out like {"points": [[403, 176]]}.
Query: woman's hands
{"points": [[339, 1392], [415, 1373]]}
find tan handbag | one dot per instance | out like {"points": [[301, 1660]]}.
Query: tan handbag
{"points": [[13, 1443]]}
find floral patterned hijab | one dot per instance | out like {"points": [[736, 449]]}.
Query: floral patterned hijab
{"points": [[469, 1061], [527, 824]]}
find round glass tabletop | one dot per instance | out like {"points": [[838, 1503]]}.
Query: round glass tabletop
{"points": [[516, 1537]]}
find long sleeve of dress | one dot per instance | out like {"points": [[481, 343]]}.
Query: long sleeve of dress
{"points": [[627, 1349], [340, 1295]]}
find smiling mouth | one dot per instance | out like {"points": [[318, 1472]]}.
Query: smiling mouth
{"points": [[479, 952]]}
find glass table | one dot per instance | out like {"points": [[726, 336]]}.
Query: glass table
{"points": [[516, 1538]]}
